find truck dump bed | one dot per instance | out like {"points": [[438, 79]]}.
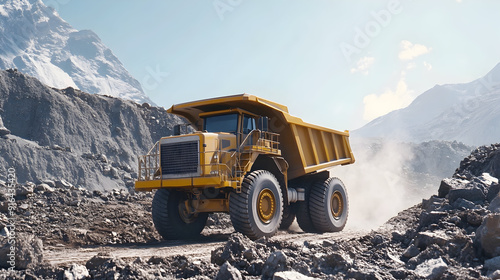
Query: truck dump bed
{"points": [[306, 147]]}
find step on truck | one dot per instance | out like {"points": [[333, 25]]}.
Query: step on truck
{"points": [[246, 156]]}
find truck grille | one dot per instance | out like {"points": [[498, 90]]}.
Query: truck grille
{"points": [[180, 158]]}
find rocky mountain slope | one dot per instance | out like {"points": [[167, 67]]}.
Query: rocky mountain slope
{"points": [[451, 235], [35, 40], [90, 140], [468, 113]]}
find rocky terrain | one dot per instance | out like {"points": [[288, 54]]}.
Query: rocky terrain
{"points": [[91, 141], [451, 235]]}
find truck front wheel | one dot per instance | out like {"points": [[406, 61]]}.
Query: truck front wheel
{"points": [[328, 205], [257, 210], [172, 220]]}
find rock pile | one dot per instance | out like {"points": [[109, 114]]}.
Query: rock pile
{"points": [[59, 213], [64, 133]]}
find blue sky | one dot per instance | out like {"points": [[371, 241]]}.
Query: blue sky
{"points": [[334, 63]]}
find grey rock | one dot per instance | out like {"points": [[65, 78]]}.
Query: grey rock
{"points": [[44, 188], [290, 275], [63, 184], [411, 251], [492, 264], [472, 193], [433, 203], [433, 217], [462, 203], [487, 235], [431, 269], [448, 184], [495, 205], [228, 272], [363, 273], [4, 206], [474, 218], [234, 247], [277, 261], [50, 183], [76, 272], [493, 192], [98, 260], [24, 190], [494, 275], [426, 238], [75, 202], [339, 260]]}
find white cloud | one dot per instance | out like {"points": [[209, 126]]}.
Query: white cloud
{"points": [[390, 100], [363, 64], [428, 65], [411, 65], [409, 50]]}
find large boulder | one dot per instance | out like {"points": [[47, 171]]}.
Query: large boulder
{"points": [[228, 272], [431, 269], [487, 235], [454, 189], [448, 184], [277, 261]]}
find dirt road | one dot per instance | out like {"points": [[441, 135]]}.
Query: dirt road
{"points": [[196, 250]]}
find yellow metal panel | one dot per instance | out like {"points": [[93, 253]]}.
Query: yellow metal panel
{"points": [[327, 165], [147, 185], [299, 144], [311, 137], [326, 146]]}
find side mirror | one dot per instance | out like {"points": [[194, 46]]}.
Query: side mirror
{"points": [[177, 129]]}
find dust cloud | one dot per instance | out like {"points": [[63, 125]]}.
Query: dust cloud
{"points": [[378, 184]]}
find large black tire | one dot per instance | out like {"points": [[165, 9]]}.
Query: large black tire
{"points": [[303, 214], [329, 205], [257, 210], [169, 218], [288, 216]]}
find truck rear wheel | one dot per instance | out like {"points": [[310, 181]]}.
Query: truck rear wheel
{"points": [[328, 205], [304, 214], [257, 210], [172, 220]]}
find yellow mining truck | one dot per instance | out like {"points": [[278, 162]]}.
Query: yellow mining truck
{"points": [[249, 157]]}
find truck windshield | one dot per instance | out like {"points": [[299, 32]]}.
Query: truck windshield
{"points": [[222, 123]]}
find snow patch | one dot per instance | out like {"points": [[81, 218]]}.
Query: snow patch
{"points": [[3, 12], [59, 55]]}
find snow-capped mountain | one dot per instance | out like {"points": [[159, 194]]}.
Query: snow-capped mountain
{"points": [[468, 112], [36, 41]]}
